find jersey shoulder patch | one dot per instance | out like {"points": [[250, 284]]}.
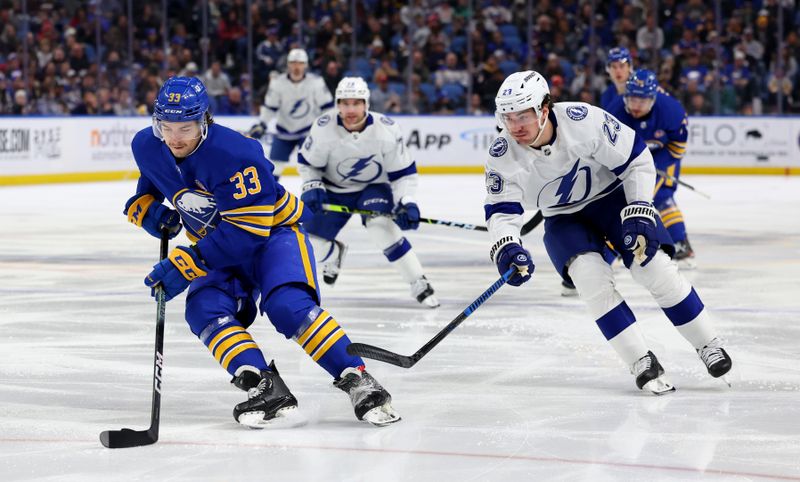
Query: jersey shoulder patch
{"points": [[577, 112], [499, 147], [386, 120], [323, 120]]}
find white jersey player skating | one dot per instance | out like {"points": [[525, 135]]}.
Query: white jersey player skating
{"points": [[294, 99], [593, 178], [356, 158]]}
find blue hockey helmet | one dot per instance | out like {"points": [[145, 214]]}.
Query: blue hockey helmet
{"points": [[619, 54], [643, 83], [181, 99]]}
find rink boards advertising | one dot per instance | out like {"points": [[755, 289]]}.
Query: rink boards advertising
{"points": [[60, 149]]}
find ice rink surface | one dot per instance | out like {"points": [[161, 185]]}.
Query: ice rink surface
{"points": [[525, 389]]}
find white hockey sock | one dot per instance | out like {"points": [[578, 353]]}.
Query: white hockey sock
{"points": [[324, 250], [699, 331], [385, 233], [629, 344]]}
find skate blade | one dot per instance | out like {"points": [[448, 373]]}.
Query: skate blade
{"points": [[430, 302], [727, 380], [659, 386], [382, 416], [288, 417]]}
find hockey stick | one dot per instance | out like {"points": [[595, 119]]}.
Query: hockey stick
{"points": [[124, 438], [532, 223], [380, 354], [684, 184], [336, 208]]}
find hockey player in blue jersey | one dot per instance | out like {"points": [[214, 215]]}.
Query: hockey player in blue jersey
{"points": [[592, 177], [661, 121], [247, 245], [294, 99], [619, 66]]}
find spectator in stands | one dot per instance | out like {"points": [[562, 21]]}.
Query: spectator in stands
{"points": [[217, 83], [451, 72], [332, 74], [381, 98], [649, 38], [233, 103]]}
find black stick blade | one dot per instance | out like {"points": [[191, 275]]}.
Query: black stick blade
{"points": [[375, 353], [120, 439]]}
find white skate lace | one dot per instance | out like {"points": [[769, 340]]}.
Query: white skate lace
{"points": [[642, 364], [712, 353], [258, 389]]}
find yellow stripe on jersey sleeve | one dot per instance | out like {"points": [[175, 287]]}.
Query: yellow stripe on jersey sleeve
{"points": [[288, 212]]}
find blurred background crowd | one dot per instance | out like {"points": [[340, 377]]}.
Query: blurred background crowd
{"points": [[420, 57]]}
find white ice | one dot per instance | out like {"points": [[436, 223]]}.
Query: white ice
{"points": [[525, 389]]}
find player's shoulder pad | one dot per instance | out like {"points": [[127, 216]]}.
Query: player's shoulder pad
{"points": [[671, 108], [144, 139]]}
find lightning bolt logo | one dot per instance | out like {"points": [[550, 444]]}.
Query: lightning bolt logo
{"points": [[299, 109], [358, 166], [564, 190]]}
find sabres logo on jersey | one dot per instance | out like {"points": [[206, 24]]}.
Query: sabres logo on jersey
{"points": [[359, 169], [499, 147], [198, 210]]}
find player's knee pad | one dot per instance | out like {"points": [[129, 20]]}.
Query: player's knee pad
{"points": [[661, 278], [209, 307], [594, 279], [323, 248], [287, 307]]}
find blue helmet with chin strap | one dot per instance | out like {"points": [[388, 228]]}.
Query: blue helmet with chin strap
{"points": [[181, 99], [643, 83]]}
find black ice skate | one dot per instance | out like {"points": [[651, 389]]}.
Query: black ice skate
{"points": [[330, 270], [650, 375], [422, 290], [371, 402], [684, 255], [716, 359], [268, 398]]}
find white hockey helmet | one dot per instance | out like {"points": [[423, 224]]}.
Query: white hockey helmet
{"points": [[521, 91], [297, 55], [352, 88]]}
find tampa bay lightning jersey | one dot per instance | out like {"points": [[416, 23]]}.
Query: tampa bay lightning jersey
{"points": [[590, 155], [224, 191], [664, 129], [296, 104], [349, 161]]}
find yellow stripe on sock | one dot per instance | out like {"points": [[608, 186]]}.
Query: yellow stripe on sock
{"points": [[321, 334], [222, 334], [323, 315], [220, 350], [232, 354], [327, 345]]}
